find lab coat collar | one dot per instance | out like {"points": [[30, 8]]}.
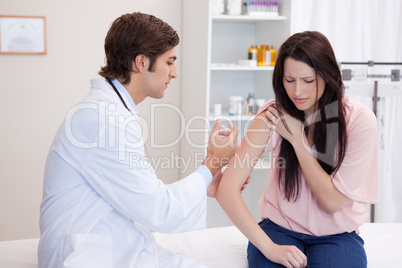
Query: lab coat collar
{"points": [[100, 83], [126, 96]]}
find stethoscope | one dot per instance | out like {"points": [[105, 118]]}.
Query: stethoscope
{"points": [[125, 105], [118, 94]]}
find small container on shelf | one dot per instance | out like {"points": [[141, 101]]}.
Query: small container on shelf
{"points": [[261, 8], [253, 52], [217, 7], [235, 105], [251, 104], [273, 55], [264, 56], [217, 109], [234, 7], [248, 63]]}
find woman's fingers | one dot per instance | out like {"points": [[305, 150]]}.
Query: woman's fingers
{"points": [[297, 261], [245, 183], [294, 263], [272, 115], [274, 111], [303, 258], [296, 258], [271, 126]]}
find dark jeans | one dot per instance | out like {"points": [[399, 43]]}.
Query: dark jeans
{"points": [[335, 251]]}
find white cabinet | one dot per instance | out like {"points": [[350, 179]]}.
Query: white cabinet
{"points": [[211, 49]]}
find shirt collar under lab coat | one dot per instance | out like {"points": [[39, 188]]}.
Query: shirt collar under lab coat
{"points": [[123, 91]]}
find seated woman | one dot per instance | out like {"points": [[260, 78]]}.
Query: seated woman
{"points": [[324, 165]]}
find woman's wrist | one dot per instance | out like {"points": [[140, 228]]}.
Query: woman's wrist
{"points": [[299, 140], [302, 146], [266, 247]]}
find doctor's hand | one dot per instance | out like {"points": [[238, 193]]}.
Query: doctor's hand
{"points": [[222, 145], [213, 187]]}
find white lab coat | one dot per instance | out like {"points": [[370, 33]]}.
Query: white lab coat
{"points": [[101, 199]]}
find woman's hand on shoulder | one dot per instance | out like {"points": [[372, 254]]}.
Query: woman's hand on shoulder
{"points": [[289, 127]]}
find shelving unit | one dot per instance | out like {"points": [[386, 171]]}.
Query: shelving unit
{"points": [[230, 37], [213, 45], [245, 18]]}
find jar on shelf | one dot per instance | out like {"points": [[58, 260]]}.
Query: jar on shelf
{"points": [[273, 55], [234, 7], [217, 7], [217, 109], [264, 56], [261, 55], [253, 53], [251, 104], [235, 105]]}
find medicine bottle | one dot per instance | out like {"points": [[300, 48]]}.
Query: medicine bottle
{"points": [[264, 56], [261, 56], [235, 105], [273, 55], [252, 52], [217, 7], [251, 104], [217, 109], [267, 55], [234, 7]]}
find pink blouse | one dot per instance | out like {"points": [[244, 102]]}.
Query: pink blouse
{"points": [[357, 179]]}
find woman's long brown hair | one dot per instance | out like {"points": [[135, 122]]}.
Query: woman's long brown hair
{"points": [[329, 127]]}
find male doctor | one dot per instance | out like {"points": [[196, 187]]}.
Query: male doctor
{"points": [[100, 198]]}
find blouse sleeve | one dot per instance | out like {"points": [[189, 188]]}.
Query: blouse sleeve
{"points": [[357, 178]]}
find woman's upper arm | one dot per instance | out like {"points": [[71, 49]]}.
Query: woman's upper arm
{"points": [[357, 178]]}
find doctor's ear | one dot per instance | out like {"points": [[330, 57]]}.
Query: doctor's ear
{"points": [[139, 63]]}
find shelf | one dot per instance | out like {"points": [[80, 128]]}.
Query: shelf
{"points": [[246, 18], [232, 67]]}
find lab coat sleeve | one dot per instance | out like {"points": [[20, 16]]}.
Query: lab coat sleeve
{"points": [[119, 172]]}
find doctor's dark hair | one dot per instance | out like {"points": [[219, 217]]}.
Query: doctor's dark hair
{"points": [[134, 34], [329, 126]]}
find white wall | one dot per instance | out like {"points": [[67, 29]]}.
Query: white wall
{"points": [[359, 30], [37, 90]]}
